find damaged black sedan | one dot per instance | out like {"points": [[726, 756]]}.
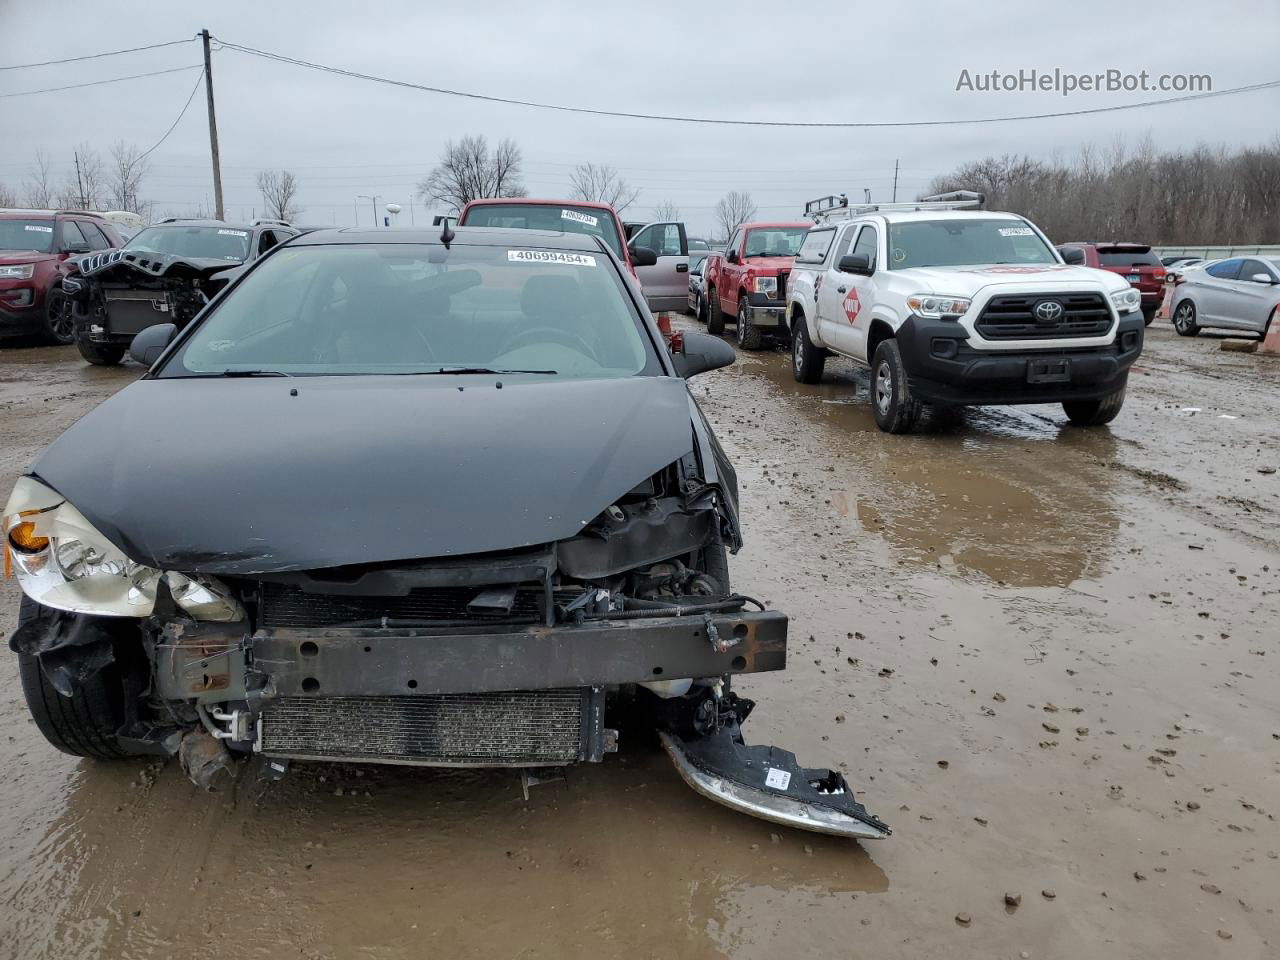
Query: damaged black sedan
{"points": [[420, 499]]}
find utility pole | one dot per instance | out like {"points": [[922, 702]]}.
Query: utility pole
{"points": [[213, 127], [373, 200], [895, 181], [84, 204]]}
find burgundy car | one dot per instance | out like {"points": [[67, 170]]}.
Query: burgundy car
{"points": [[1136, 262], [34, 247]]}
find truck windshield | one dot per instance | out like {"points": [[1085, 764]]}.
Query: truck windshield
{"points": [[962, 243], [198, 243], [394, 308], [774, 241], [557, 217], [26, 235]]}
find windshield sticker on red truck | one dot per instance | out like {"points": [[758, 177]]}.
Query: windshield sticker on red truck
{"points": [[38, 229], [577, 217], [1016, 232], [852, 306], [551, 256]]}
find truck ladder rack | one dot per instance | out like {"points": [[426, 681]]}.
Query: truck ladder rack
{"points": [[831, 208]]}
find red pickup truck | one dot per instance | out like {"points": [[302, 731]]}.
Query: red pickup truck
{"points": [[558, 216], [748, 280], [1136, 262]]}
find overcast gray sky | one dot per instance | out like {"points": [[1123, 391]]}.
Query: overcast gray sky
{"points": [[789, 61]]}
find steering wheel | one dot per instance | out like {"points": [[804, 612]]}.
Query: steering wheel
{"points": [[562, 337]]}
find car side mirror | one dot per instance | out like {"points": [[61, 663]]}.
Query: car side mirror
{"points": [[148, 344], [700, 352], [855, 263], [732, 256], [1074, 257], [1262, 278], [643, 256]]}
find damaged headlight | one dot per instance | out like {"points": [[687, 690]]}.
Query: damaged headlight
{"points": [[62, 562]]}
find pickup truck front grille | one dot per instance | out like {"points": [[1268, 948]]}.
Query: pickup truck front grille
{"points": [[288, 606], [516, 728], [1013, 317]]}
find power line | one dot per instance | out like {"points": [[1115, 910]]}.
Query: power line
{"points": [[182, 114], [96, 83], [97, 56], [252, 51]]}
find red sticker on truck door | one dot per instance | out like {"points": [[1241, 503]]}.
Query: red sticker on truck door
{"points": [[852, 305]]}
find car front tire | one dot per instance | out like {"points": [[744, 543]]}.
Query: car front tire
{"points": [[84, 724], [59, 318], [750, 337], [1184, 319], [1094, 413], [100, 354], [715, 317], [896, 411], [807, 361]]}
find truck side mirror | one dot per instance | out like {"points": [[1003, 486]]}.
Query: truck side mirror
{"points": [[148, 344], [1073, 255], [643, 256], [732, 256], [700, 352], [855, 263]]}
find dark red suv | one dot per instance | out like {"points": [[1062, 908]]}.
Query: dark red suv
{"points": [[34, 247], [1136, 262]]}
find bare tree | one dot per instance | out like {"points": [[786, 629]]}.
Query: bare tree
{"points": [[85, 188], [38, 189], [666, 210], [279, 189], [468, 171], [1198, 196], [7, 197], [601, 183], [734, 209], [124, 177]]}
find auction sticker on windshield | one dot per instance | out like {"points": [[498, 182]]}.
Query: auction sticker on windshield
{"points": [[233, 233], [36, 229], [1016, 232], [551, 256], [577, 217]]}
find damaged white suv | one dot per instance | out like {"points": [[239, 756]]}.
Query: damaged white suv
{"points": [[955, 307]]}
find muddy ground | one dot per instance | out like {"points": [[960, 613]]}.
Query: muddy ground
{"points": [[1048, 657]]}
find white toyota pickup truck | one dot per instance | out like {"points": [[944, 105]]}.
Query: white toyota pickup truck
{"points": [[952, 307]]}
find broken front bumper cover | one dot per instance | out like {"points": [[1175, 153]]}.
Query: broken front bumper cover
{"points": [[768, 783]]}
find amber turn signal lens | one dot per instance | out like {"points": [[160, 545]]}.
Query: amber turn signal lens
{"points": [[23, 538]]}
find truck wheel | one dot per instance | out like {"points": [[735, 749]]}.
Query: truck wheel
{"points": [[807, 360], [896, 411], [1184, 319], [83, 725], [100, 354], [715, 319], [1149, 316], [1094, 413], [59, 318], [750, 337]]}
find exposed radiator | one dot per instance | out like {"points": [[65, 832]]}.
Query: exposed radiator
{"points": [[516, 728]]}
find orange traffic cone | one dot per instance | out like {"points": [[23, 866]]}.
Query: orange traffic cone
{"points": [[1271, 342], [664, 325]]}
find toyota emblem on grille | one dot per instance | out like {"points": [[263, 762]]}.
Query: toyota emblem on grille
{"points": [[1048, 311]]}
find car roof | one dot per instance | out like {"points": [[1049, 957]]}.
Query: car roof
{"points": [[541, 202], [776, 223], [464, 236], [913, 216], [206, 223]]}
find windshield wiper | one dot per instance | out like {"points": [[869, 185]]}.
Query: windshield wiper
{"points": [[250, 373], [454, 371]]}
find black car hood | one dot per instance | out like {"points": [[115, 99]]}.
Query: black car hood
{"points": [[238, 477]]}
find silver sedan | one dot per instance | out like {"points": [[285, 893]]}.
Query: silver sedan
{"points": [[1241, 293]]}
